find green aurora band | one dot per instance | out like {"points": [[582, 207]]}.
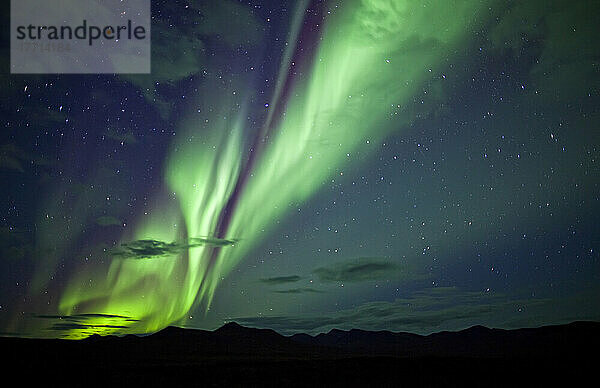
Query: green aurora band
{"points": [[374, 57]]}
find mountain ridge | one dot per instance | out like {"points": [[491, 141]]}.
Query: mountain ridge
{"points": [[234, 355], [235, 340]]}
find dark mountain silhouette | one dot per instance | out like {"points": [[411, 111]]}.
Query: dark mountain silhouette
{"points": [[477, 341], [234, 355]]}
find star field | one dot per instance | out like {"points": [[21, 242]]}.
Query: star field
{"points": [[276, 170]]}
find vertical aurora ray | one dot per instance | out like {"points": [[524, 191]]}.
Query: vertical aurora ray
{"points": [[156, 292], [373, 58]]}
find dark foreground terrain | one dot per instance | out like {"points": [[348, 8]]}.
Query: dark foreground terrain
{"points": [[238, 356]]}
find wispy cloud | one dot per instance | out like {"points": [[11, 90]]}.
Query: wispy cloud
{"points": [[424, 312], [87, 324], [357, 270], [149, 249], [212, 241], [304, 290], [280, 280]]}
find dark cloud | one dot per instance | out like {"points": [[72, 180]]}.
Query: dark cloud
{"points": [[68, 326], [298, 291], [14, 334], [212, 241], [281, 280], [87, 324], [357, 270], [80, 317], [148, 249]]}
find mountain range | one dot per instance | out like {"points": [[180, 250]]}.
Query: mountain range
{"points": [[234, 355]]}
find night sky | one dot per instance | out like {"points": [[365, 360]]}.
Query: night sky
{"points": [[303, 165]]}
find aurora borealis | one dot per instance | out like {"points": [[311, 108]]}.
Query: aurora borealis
{"points": [[381, 164]]}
